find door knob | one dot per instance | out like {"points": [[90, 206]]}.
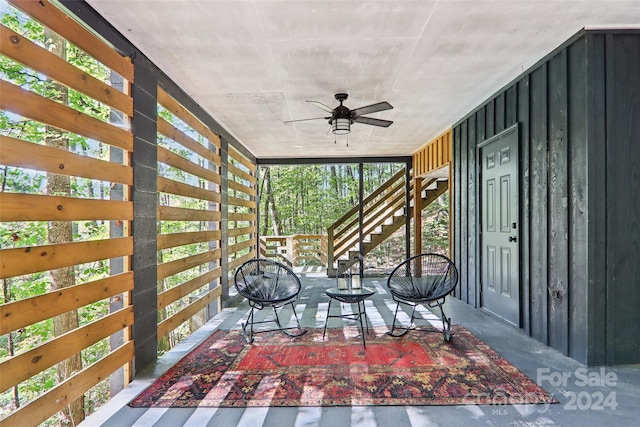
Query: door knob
{"points": [[513, 238]]}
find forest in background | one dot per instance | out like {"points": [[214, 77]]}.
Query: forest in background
{"points": [[307, 199]]}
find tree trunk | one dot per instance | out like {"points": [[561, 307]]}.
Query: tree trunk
{"points": [[266, 175], [334, 181], [62, 232], [273, 211], [351, 178]]}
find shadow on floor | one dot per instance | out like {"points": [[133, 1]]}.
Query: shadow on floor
{"points": [[600, 396]]}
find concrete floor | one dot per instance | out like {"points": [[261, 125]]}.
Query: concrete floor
{"points": [[601, 396]]}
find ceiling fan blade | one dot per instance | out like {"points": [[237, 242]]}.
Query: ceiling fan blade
{"points": [[322, 106], [373, 108], [304, 120], [374, 122]]}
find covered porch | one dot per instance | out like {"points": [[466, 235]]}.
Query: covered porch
{"points": [[537, 361], [129, 196]]}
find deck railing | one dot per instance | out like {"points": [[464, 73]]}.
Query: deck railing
{"points": [[295, 250], [67, 250], [67, 254]]}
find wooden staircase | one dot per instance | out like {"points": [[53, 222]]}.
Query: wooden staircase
{"points": [[383, 214]]}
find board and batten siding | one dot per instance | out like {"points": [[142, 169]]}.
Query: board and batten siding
{"points": [[578, 112]]}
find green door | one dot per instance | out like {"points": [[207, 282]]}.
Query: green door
{"points": [[500, 286]]}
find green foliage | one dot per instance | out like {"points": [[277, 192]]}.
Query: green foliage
{"points": [[309, 198]]}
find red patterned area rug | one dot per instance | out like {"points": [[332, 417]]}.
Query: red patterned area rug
{"points": [[417, 369]]}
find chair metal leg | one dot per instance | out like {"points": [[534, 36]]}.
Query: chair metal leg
{"points": [[446, 325], [300, 330], [248, 338], [364, 311], [403, 330], [327, 319], [361, 325]]}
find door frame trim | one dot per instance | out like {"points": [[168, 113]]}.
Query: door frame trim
{"points": [[478, 217]]}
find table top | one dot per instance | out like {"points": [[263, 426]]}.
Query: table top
{"points": [[358, 294]]}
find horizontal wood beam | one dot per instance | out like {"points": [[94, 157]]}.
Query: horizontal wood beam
{"points": [[170, 186], [29, 155], [25, 365], [33, 106], [170, 158], [61, 396], [172, 240], [238, 157], [176, 135], [170, 323], [170, 213], [35, 207], [236, 201], [178, 110], [32, 259], [170, 268], [39, 59], [18, 314], [182, 290], [234, 170], [49, 15], [234, 232]]}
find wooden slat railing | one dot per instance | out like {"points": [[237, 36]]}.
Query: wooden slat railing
{"points": [[309, 249], [24, 260], [189, 216], [433, 156], [242, 215]]}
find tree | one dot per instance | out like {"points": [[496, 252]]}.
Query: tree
{"points": [[62, 232]]}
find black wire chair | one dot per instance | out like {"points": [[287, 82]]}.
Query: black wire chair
{"points": [[267, 283], [422, 279]]}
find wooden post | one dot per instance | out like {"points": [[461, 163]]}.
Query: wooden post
{"points": [[417, 215]]}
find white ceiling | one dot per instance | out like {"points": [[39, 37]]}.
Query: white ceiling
{"points": [[252, 64]]}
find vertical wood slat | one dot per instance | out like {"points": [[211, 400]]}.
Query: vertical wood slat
{"points": [[490, 119], [578, 134], [464, 212], [457, 206], [523, 103], [539, 208], [417, 216], [622, 195], [434, 155], [481, 135], [577, 299], [499, 112], [596, 208], [558, 203], [473, 214]]}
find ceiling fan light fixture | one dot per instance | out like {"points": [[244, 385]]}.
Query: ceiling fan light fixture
{"points": [[341, 126]]}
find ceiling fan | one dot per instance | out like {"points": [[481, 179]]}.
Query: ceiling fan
{"points": [[342, 117]]}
